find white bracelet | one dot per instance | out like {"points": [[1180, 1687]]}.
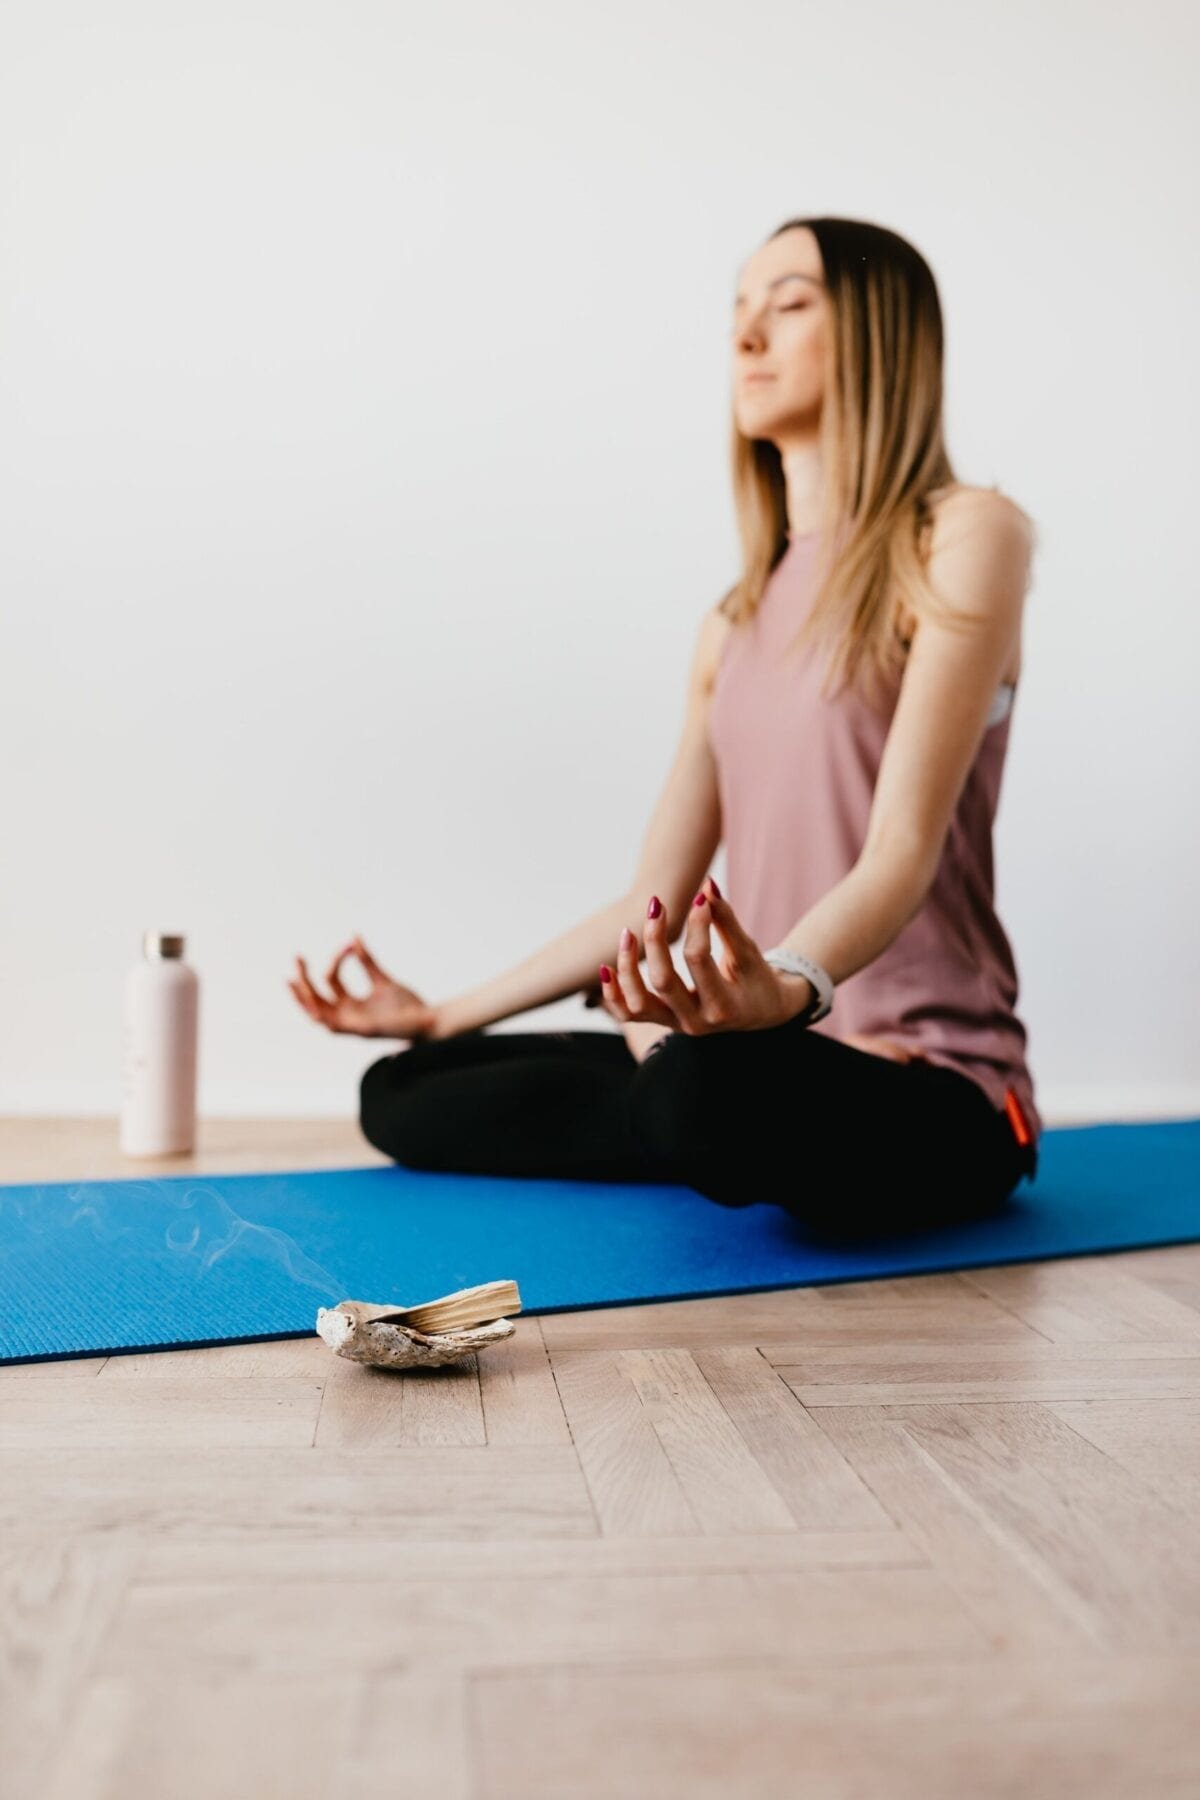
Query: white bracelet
{"points": [[794, 964]]}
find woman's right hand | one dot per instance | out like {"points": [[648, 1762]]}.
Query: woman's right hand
{"points": [[389, 1010]]}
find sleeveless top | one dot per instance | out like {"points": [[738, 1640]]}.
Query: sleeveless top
{"points": [[796, 776]]}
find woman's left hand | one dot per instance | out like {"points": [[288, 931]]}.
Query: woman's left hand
{"points": [[745, 993]]}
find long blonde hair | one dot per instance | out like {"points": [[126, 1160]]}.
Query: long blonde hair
{"points": [[884, 456]]}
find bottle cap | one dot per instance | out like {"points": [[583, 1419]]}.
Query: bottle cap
{"points": [[162, 943]]}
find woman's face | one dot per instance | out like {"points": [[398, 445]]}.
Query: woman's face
{"points": [[780, 325]]}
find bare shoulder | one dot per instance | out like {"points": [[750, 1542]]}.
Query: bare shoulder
{"points": [[984, 519], [715, 627], [981, 548]]}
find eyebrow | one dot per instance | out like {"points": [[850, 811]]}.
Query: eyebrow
{"points": [[779, 278]]}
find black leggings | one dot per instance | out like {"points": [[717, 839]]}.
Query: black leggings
{"points": [[847, 1142]]}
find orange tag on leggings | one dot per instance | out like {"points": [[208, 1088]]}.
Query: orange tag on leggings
{"points": [[1016, 1118]]}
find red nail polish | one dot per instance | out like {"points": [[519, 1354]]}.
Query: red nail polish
{"points": [[699, 900], [654, 908], [605, 972], [715, 888]]}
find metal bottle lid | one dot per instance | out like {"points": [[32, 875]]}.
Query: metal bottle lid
{"points": [[159, 944]]}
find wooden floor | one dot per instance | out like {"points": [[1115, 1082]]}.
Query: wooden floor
{"points": [[930, 1537]]}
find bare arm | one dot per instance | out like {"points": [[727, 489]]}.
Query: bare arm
{"points": [[679, 843], [856, 919]]}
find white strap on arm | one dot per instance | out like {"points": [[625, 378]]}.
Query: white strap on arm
{"points": [[794, 964]]}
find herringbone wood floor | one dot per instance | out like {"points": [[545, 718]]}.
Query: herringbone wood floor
{"points": [[928, 1537]]}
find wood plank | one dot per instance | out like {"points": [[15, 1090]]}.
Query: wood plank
{"points": [[1158, 1441], [277, 1357], [726, 1486], [1074, 1299], [347, 1558], [58, 1600], [988, 1570], [1173, 1269], [215, 1413], [515, 1381], [916, 1309], [878, 1377], [34, 1149], [634, 1487], [505, 1394], [1015, 1355], [506, 1622], [429, 1491], [441, 1406], [381, 1407], [661, 1453], [820, 1488], [521, 1402], [1075, 1727], [58, 1368], [1116, 1557], [411, 1737], [221, 1737]]}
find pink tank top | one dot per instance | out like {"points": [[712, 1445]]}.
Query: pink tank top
{"points": [[796, 774]]}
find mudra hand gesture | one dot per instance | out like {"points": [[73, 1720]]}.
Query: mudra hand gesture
{"points": [[390, 1009], [743, 993]]}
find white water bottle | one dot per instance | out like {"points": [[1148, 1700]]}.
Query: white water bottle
{"points": [[162, 1003]]}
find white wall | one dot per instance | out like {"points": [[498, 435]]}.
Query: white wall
{"points": [[363, 424]]}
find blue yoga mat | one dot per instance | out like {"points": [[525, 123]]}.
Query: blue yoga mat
{"points": [[94, 1268]]}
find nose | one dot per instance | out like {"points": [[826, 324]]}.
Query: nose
{"points": [[748, 337]]}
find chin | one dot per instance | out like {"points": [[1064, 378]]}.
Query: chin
{"points": [[758, 421]]}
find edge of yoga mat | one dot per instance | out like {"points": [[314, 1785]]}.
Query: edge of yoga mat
{"points": [[1101, 1189]]}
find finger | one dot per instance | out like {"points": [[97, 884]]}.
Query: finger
{"points": [[333, 973], [665, 978], [632, 988], [641, 1004], [293, 989], [311, 1005], [305, 981], [741, 948], [711, 987], [367, 960], [610, 993]]}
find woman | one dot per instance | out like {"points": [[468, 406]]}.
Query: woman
{"points": [[855, 787]]}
